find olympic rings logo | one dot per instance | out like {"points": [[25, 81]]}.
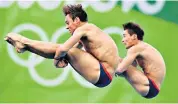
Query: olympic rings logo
{"points": [[97, 5]]}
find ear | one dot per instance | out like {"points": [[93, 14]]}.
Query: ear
{"points": [[135, 36], [77, 20]]}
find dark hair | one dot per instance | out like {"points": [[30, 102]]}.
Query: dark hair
{"points": [[75, 11], [134, 28]]}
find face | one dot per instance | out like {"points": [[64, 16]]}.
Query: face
{"points": [[70, 24], [128, 40]]}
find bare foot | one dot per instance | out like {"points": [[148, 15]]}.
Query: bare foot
{"points": [[17, 41]]}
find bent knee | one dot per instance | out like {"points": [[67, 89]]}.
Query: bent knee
{"points": [[142, 89], [74, 51]]}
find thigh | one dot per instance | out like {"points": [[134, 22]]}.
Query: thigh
{"points": [[137, 79], [85, 64]]}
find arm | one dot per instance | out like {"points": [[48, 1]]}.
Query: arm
{"points": [[79, 45], [63, 62], [64, 48], [128, 60]]}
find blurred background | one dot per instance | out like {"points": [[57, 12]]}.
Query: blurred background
{"points": [[30, 78]]}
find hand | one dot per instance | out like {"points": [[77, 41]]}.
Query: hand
{"points": [[59, 54], [60, 63]]}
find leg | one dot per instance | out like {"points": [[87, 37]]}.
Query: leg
{"points": [[85, 64], [137, 79], [44, 49]]}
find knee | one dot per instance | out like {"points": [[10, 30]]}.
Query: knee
{"points": [[142, 90], [71, 54], [72, 51]]}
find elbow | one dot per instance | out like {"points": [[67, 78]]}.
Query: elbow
{"points": [[60, 52], [60, 48], [120, 71], [63, 49]]}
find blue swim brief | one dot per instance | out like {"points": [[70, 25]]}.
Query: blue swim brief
{"points": [[153, 91], [104, 78]]}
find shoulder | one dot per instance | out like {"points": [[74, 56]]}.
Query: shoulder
{"points": [[80, 30], [133, 49], [137, 49], [149, 45], [84, 27], [89, 26]]}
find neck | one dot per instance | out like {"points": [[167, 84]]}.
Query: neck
{"points": [[137, 42], [82, 23]]}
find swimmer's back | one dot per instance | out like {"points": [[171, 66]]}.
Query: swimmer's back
{"points": [[152, 62]]}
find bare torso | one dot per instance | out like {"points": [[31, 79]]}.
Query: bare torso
{"points": [[101, 46], [151, 61]]}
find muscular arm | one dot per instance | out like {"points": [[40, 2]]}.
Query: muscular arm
{"points": [[78, 45], [128, 60], [73, 40], [63, 62]]}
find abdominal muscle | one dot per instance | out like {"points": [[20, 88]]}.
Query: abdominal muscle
{"points": [[106, 57]]}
